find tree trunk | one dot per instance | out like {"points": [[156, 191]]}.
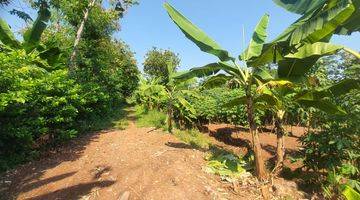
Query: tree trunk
{"points": [[259, 162], [79, 34], [280, 149], [169, 117]]}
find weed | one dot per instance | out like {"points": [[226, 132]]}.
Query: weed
{"points": [[193, 138]]}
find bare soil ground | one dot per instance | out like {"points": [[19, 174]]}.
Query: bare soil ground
{"points": [[139, 162], [112, 164]]}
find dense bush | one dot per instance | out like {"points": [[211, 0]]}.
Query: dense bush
{"points": [[209, 106], [39, 104], [333, 146]]}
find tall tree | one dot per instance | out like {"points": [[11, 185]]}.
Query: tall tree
{"points": [[156, 64], [79, 33], [119, 7]]}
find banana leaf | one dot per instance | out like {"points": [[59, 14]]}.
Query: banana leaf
{"points": [[257, 41], [6, 36], [196, 35]]}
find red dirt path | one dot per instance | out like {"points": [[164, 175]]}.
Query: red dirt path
{"points": [[105, 165]]}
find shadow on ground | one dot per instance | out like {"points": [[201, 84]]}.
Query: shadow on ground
{"points": [[181, 145], [27, 177], [225, 135], [233, 137], [74, 192]]}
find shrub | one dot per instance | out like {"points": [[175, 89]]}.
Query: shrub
{"points": [[39, 106], [209, 106]]}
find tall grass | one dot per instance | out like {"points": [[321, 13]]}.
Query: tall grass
{"points": [[150, 118]]}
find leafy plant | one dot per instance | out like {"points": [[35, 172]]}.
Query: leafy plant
{"points": [[171, 93], [225, 164], [350, 193]]}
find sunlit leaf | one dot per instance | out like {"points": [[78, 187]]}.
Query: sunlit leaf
{"points": [[257, 40], [195, 34]]}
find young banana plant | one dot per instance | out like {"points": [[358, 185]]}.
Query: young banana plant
{"points": [[150, 94], [176, 91], [244, 76], [172, 92]]}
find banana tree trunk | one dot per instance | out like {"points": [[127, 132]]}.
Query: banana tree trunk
{"points": [[79, 34], [259, 161], [280, 149], [169, 117]]}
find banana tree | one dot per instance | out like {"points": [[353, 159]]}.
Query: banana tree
{"points": [[172, 93], [32, 36], [150, 94], [176, 91], [245, 77], [294, 57]]}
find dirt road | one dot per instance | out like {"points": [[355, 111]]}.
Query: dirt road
{"points": [[112, 164]]}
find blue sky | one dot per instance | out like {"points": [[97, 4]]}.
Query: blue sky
{"points": [[147, 25]]}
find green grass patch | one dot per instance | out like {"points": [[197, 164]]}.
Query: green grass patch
{"points": [[117, 115], [193, 138], [151, 118], [121, 124]]}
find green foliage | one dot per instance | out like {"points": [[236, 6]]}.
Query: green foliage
{"points": [[195, 34], [351, 194], [225, 164], [305, 58], [32, 36], [39, 103], [327, 8], [332, 145], [36, 103], [149, 118], [257, 40], [6, 36], [209, 106], [319, 22], [194, 138], [156, 63]]}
